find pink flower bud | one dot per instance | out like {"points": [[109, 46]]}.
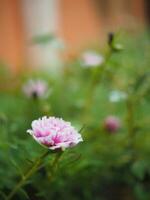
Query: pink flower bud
{"points": [[54, 133], [112, 124]]}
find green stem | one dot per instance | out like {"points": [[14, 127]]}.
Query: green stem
{"points": [[89, 98], [54, 164], [130, 122], [131, 128], [130, 117], [29, 173], [95, 80]]}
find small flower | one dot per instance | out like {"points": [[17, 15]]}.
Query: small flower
{"points": [[116, 96], [54, 133], [112, 124], [92, 59], [36, 89]]}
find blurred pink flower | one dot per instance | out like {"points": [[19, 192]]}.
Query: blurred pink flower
{"points": [[54, 133], [112, 124], [36, 89], [92, 59]]}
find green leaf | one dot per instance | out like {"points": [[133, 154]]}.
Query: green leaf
{"points": [[17, 167], [43, 39], [24, 193], [139, 168], [2, 194]]}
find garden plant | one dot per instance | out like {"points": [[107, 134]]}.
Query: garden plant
{"points": [[82, 133]]}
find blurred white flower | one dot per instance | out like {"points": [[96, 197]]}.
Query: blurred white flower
{"points": [[36, 89], [91, 59], [117, 95]]}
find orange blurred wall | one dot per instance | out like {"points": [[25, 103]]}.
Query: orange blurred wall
{"points": [[79, 22], [11, 33]]}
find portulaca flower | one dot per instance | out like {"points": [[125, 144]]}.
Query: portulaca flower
{"points": [[91, 59], [54, 133], [116, 96], [36, 89], [112, 124]]}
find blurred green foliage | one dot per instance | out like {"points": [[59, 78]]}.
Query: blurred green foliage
{"points": [[105, 166]]}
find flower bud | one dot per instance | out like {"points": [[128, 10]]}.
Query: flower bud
{"points": [[112, 124], [110, 38]]}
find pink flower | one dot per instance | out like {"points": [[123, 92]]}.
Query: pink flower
{"points": [[112, 124], [91, 59], [36, 89], [54, 133]]}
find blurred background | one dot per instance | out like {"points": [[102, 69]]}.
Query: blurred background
{"points": [[99, 53], [75, 23]]}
